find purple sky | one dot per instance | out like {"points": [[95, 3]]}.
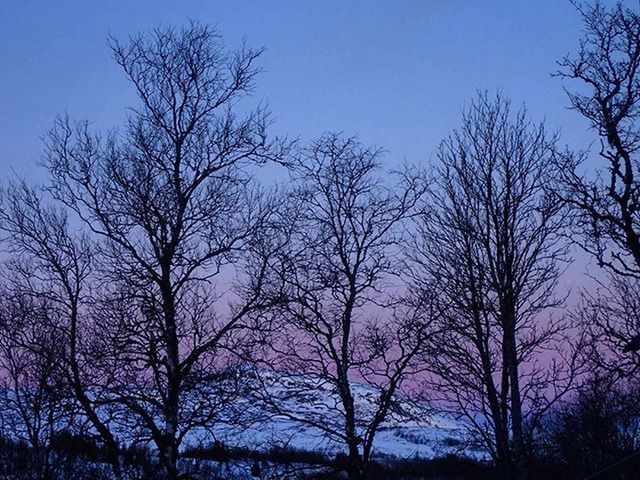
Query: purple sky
{"points": [[395, 73]]}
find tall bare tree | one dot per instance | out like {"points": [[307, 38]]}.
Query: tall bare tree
{"points": [[491, 240], [607, 205], [169, 203], [605, 201], [336, 322], [32, 402], [50, 265]]}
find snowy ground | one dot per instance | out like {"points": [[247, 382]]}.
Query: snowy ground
{"points": [[409, 431]]}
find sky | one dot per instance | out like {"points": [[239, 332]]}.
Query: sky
{"points": [[397, 74]]}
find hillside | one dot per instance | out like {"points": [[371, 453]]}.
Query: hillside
{"points": [[301, 406]]}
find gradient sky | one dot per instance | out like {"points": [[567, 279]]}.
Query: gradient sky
{"points": [[397, 73]]}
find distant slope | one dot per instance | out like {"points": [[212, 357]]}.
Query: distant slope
{"points": [[297, 403], [411, 430]]}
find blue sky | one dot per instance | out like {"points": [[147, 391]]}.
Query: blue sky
{"points": [[395, 73]]}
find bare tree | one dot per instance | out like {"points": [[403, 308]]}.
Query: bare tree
{"points": [[50, 265], [491, 241], [336, 322], [169, 203], [594, 433], [606, 202], [32, 406], [610, 317], [606, 205]]}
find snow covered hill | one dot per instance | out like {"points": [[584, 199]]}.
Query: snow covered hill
{"points": [[409, 431], [291, 411]]}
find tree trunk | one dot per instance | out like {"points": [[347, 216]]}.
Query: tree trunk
{"points": [[519, 471], [355, 467], [170, 451]]}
